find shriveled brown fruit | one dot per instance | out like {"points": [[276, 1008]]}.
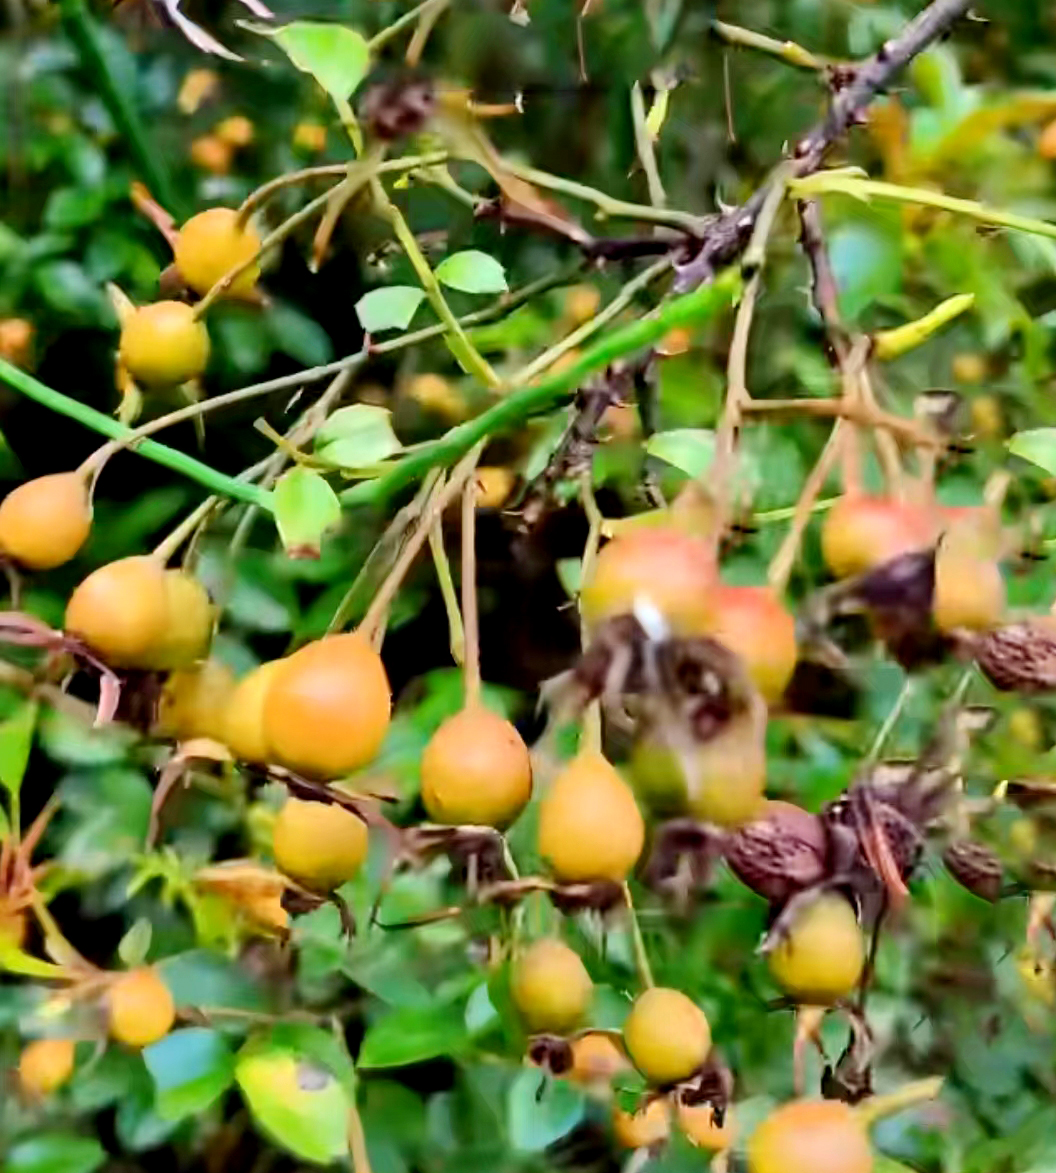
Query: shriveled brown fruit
{"points": [[780, 852], [667, 1035], [121, 611], [243, 717], [320, 845], [820, 959], [661, 566], [752, 622], [476, 769], [327, 707], [550, 987], [862, 532], [811, 1136], [44, 522], [45, 1065], [212, 243], [590, 827], [164, 344], [140, 1007]]}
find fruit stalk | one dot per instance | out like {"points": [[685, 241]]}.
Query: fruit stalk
{"points": [[470, 618], [888, 1104], [641, 957]]}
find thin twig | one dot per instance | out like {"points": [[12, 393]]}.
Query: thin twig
{"points": [[455, 628], [787, 51], [643, 142], [470, 616]]}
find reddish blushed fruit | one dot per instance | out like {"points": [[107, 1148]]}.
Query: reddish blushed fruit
{"points": [[672, 571], [811, 1136], [44, 522], [327, 707], [751, 622], [590, 827], [164, 344], [141, 1008], [667, 1035], [862, 532], [476, 769], [211, 244], [320, 845], [550, 987]]}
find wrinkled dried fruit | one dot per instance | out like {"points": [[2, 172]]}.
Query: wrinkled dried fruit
{"points": [[667, 1036], [975, 867], [780, 853], [550, 987]]}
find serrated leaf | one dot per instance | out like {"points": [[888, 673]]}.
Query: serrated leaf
{"points": [[472, 272], [688, 449], [296, 1101], [191, 1070], [411, 1035], [391, 308], [357, 436], [1038, 445], [305, 508], [135, 944], [16, 741], [536, 1120], [337, 57], [55, 1153]]}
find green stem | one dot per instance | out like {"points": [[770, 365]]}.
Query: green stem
{"points": [[641, 957], [82, 32], [787, 51], [179, 462], [397, 26], [520, 404]]}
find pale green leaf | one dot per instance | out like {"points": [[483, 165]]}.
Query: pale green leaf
{"points": [[357, 436], [688, 449], [1038, 445], [135, 944], [472, 272], [305, 508], [56, 1152], [390, 308], [337, 57], [16, 741], [536, 1120], [191, 1070]]}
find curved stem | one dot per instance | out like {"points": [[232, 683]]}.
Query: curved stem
{"points": [[470, 617], [641, 957], [187, 466], [917, 1092], [165, 549], [455, 628]]}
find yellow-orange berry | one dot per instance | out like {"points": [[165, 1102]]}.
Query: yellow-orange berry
{"points": [[121, 610], [45, 1065], [243, 717], [550, 987], [811, 1136], [320, 845], [44, 522], [141, 1008], [164, 344], [751, 622], [644, 1128], [820, 958], [667, 1036], [213, 243]]}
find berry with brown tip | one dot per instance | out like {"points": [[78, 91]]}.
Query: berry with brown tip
{"points": [[44, 522], [121, 610], [667, 1036], [811, 1136], [550, 987], [320, 845], [213, 243], [658, 565], [821, 957], [327, 707], [597, 1059], [164, 344], [141, 1009], [590, 827], [476, 769], [45, 1065], [697, 1123]]}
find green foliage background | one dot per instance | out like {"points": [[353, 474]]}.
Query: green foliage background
{"points": [[408, 1022]]}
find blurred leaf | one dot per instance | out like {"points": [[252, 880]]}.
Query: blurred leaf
{"points": [[535, 1120], [305, 508], [74, 207], [867, 261], [135, 944], [191, 1069], [297, 1102], [74, 742], [472, 272], [138, 1125], [1038, 446], [14, 960], [312, 1042], [357, 436], [299, 336], [389, 308], [16, 742], [689, 449], [55, 1153], [68, 289], [201, 978], [337, 57], [411, 1035]]}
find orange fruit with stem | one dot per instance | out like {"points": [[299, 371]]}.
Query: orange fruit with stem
{"points": [[163, 344], [44, 522], [667, 1035], [752, 623], [644, 1128], [811, 1136], [820, 959], [861, 532], [327, 707], [121, 610], [476, 769], [213, 243]]}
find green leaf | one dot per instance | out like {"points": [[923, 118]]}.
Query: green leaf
{"points": [[135, 944], [391, 308], [472, 272], [74, 207], [1038, 445], [299, 336], [201, 978], [13, 960], [688, 449], [535, 1120], [867, 262], [55, 1153], [412, 1034], [296, 1101], [305, 508], [357, 436], [337, 57], [16, 741], [191, 1069]]}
